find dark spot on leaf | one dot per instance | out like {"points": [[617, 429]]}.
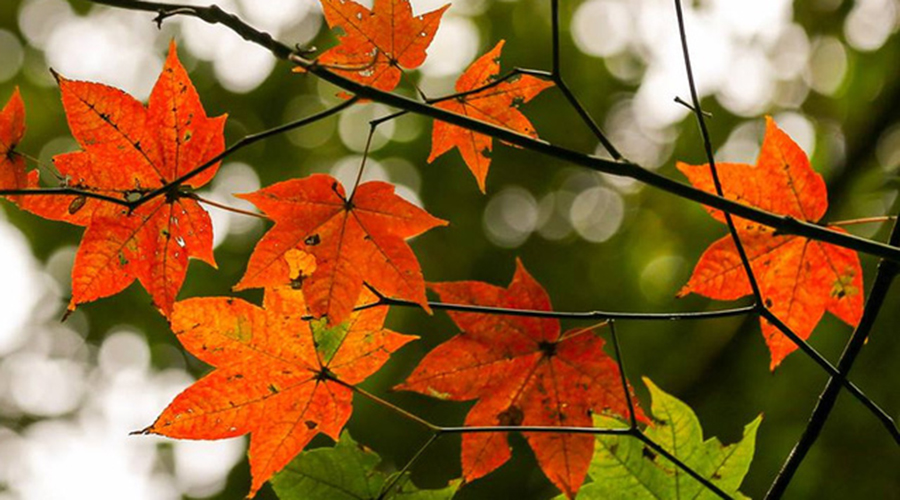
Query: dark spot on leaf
{"points": [[273, 389], [77, 204], [313, 240], [310, 424], [716, 475], [648, 453], [769, 302], [511, 416]]}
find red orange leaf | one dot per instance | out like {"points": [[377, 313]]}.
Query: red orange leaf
{"points": [[799, 278], [353, 241], [497, 105], [128, 149], [522, 371], [12, 129], [375, 44], [272, 376]]}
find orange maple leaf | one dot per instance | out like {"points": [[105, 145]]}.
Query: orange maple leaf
{"points": [[274, 375], [523, 372], [129, 149], [799, 278], [497, 105], [355, 240], [375, 44], [12, 129]]}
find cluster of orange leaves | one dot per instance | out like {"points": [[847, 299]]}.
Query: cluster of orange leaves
{"points": [[283, 377]]}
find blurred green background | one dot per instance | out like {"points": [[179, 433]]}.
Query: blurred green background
{"points": [[825, 69]]}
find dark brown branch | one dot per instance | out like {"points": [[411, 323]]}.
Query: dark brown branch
{"points": [[172, 185], [745, 261], [781, 223], [585, 315], [883, 279], [244, 142], [710, 157], [60, 191], [497, 81], [564, 88]]}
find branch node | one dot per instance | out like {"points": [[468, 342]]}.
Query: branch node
{"points": [[690, 107]]}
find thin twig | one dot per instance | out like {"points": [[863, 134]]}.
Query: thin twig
{"points": [[458, 95], [707, 147], [579, 315], [244, 142], [692, 108], [64, 191], [567, 93], [174, 184], [541, 429], [863, 220], [876, 410], [386, 488]]}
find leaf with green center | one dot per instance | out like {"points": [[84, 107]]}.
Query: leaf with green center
{"points": [[274, 378]]}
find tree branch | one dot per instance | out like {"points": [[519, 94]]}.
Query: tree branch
{"points": [[781, 223], [883, 279]]}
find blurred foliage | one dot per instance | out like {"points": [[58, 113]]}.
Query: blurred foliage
{"points": [[719, 367]]}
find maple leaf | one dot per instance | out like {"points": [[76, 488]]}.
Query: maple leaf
{"points": [[799, 278], [522, 372], [348, 471], [354, 240], [129, 149], [375, 44], [273, 376], [497, 105], [623, 467], [12, 129]]}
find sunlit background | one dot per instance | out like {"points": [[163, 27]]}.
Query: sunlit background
{"points": [[827, 70]]}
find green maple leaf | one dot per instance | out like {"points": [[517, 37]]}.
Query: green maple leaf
{"points": [[347, 472], [623, 467]]}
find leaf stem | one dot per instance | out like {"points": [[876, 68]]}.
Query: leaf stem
{"points": [[387, 404], [400, 476], [221, 206], [362, 164], [863, 220]]}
